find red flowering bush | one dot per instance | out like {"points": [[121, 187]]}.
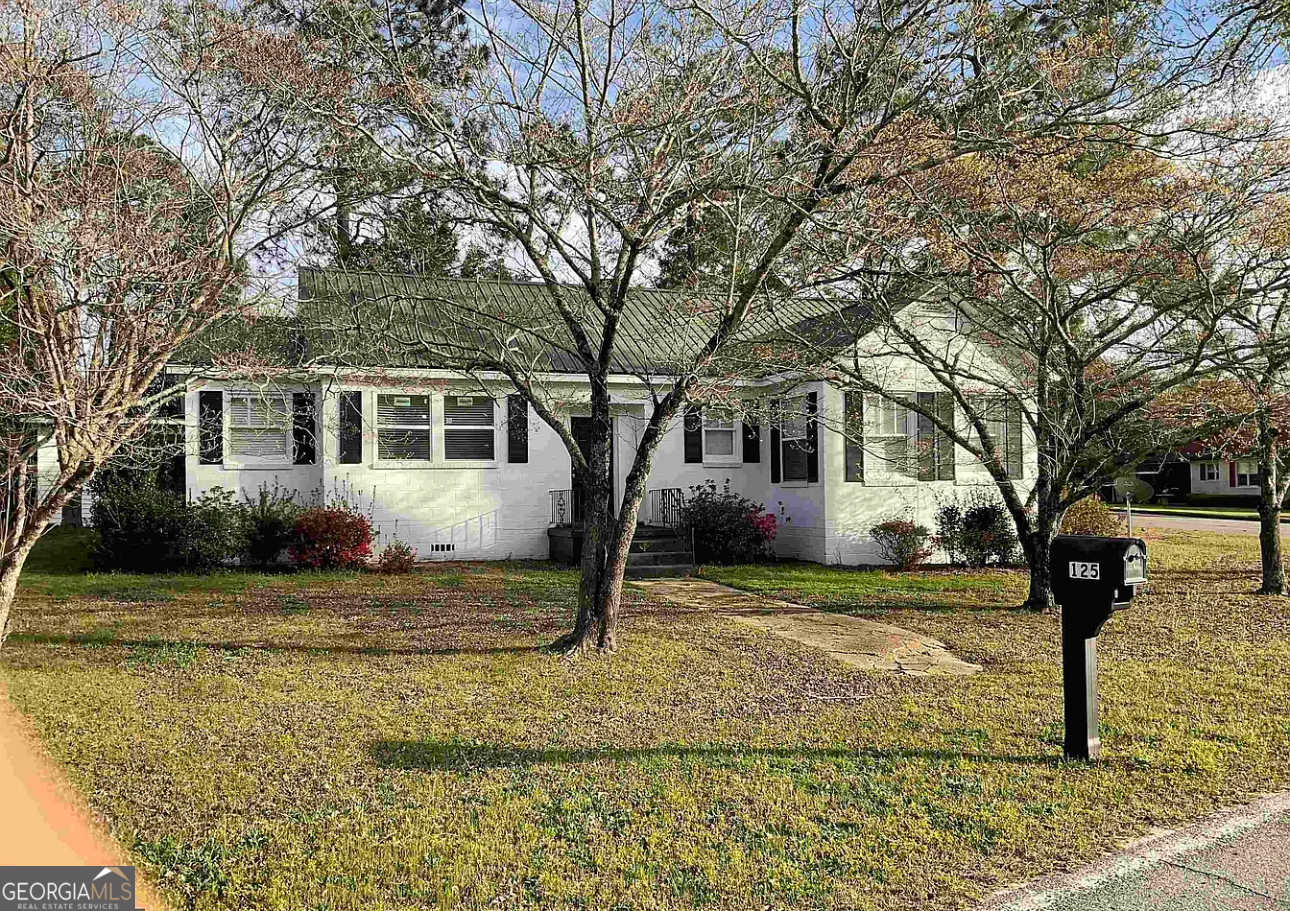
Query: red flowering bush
{"points": [[902, 543], [332, 537], [764, 525], [725, 527]]}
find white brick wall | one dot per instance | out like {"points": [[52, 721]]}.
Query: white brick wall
{"points": [[499, 510]]}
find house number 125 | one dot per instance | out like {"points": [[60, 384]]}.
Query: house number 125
{"points": [[1085, 570]]}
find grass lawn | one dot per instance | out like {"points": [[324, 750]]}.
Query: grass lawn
{"points": [[351, 741]]}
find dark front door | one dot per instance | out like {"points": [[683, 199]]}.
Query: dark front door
{"points": [[581, 430]]}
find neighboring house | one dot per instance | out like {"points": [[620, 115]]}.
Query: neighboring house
{"points": [[1197, 474], [461, 468], [1215, 476]]}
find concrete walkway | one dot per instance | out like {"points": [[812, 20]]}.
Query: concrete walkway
{"points": [[851, 640], [44, 823], [1238, 860]]}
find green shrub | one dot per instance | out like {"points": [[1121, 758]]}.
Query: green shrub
{"points": [[1091, 516], [143, 528], [725, 527], [270, 519], [976, 531], [396, 559], [902, 543]]}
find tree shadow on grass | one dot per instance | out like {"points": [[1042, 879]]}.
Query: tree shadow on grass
{"points": [[458, 756], [98, 639]]}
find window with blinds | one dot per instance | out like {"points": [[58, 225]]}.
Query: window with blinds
{"points": [[718, 434], [468, 428], [403, 427], [887, 435], [260, 428]]}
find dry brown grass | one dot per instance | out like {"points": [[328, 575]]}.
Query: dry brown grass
{"points": [[346, 742]]}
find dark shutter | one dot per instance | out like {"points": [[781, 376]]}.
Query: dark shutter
{"points": [[693, 434], [1016, 462], [304, 429], [752, 441], [210, 427], [517, 429], [812, 438], [173, 407], [774, 443], [935, 448], [853, 424], [351, 428], [944, 445], [926, 438]]}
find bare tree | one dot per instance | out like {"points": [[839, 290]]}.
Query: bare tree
{"points": [[142, 165], [597, 129], [1062, 287]]}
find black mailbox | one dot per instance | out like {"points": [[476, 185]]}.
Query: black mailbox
{"points": [[1092, 578]]}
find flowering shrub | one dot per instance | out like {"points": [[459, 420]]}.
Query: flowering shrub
{"points": [[1091, 516], [726, 527], [331, 537], [396, 559], [902, 543]]}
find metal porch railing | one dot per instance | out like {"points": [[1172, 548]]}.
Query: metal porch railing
{"points": [[664, 506]]}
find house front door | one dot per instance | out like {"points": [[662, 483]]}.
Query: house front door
{"points": [[580, 427]]}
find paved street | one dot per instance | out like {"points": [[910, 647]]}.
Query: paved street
{"points": [[1195, 523], [1236, 861]]}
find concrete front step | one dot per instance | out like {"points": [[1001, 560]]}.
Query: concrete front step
{"points": [[662, 558], [659, 545], [566, 542], [659, 572]]}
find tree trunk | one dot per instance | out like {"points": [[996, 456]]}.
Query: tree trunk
{"points": [[1037, 543], [1274, 573], [10, 570], [616, 563], [608, 538], [596, 485]]}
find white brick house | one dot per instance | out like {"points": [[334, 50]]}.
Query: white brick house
{"points": [[461, 469]]}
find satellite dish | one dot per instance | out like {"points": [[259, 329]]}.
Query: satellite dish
{"points": [[1129, 486]]}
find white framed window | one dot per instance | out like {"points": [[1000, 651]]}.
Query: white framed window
{"points": [[719, 437], [469, 428], [1209, 471], [1247, 474], [259, 428], [889, 430], [794, 442], [403, 428]]}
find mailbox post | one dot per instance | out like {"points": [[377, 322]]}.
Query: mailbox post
{"points": [[1092, 578]]}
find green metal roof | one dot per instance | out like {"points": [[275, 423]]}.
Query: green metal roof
{"points": [[382, 319], [385, 320]]}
